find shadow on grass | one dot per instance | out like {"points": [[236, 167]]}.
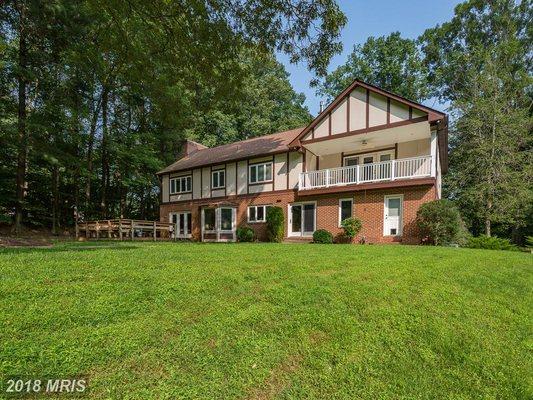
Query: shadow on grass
{"points": [[60, 248]]}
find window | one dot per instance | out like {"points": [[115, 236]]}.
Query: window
{"points": [[260, 172], [345, 209], [226, 219], [368, 158], [218, 179], [209, 219], [351, 161], [257, 213], [182, 184]]}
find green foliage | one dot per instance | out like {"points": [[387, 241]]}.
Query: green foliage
{"points": [[480, 63], [390, 62], [351, 227], [275, 222], [439, 221], [490, 243], [105, 79], [245, 234], [322, 236], [529, 241]]}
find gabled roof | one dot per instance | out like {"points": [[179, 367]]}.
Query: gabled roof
{"points": [[254, 147], [433, 115]]}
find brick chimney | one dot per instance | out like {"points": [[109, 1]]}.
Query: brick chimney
{"points": [[189, 147]]}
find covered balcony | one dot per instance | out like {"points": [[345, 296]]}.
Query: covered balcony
{"points": [[395, 156], [391, 170]]}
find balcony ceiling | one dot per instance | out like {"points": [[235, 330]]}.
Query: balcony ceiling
{"points": [[376, 139]]}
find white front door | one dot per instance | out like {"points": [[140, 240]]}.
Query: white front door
{"points": [[182, 224], [302, 219], [392, 219]]}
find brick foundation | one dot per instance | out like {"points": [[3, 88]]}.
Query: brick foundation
{"points": [[368, 206]]}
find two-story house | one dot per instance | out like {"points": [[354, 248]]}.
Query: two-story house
{"points": [[370, 154]]}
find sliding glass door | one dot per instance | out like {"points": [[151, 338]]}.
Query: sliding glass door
{"points": [[302, 219]]}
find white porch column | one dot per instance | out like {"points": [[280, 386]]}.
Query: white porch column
{"points": [[434, 153]]}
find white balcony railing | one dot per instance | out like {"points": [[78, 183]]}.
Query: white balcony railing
{"points": [[405, 168]]}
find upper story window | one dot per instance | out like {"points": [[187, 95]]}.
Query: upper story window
{"points": [[218, 179], [261, 172], [368, 158], [181, 184]]}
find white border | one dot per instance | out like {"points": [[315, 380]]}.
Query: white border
{"points": [[400, 225], [264, 180], [340, 209], [289, 222]]}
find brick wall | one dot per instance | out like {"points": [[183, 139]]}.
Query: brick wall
{"points": [[368, 205]]}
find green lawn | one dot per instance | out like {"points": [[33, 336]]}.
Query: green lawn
{"points": [[262, 321]]}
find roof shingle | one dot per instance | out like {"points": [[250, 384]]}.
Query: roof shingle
{"points": [[254, 147]]}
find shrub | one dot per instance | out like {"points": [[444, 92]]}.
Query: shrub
{"points": [[275, 222], [529, 241], [351, 226], [322, 236], [439, 222], [490, 243], [245, 234]]}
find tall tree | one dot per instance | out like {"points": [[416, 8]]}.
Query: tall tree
{"points": [[480, 63], [111, 88], [390, 62]]}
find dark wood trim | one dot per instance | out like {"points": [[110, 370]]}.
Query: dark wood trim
{"points": [[313, 133], [371, 129], [303, 160], [207, 200], [395, 151], [329, 124], [367, 186], [348, 112], [367, 108], [222, 162], [410, 113], [317, 162], [388, 110], [433, 115]]}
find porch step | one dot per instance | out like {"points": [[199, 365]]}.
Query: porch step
{"points": [[298, 240]]}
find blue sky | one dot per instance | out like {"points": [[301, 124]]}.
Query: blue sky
{"points": [[374, 18]]}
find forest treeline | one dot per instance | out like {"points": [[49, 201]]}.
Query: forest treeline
{"points": [[96, 96]]}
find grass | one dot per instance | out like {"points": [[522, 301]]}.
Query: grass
{"points": [[259, 321]]}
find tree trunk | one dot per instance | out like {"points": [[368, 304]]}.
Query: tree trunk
{"points": [[105, 155], [55, 200], [22, 155], [90, 145]]}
